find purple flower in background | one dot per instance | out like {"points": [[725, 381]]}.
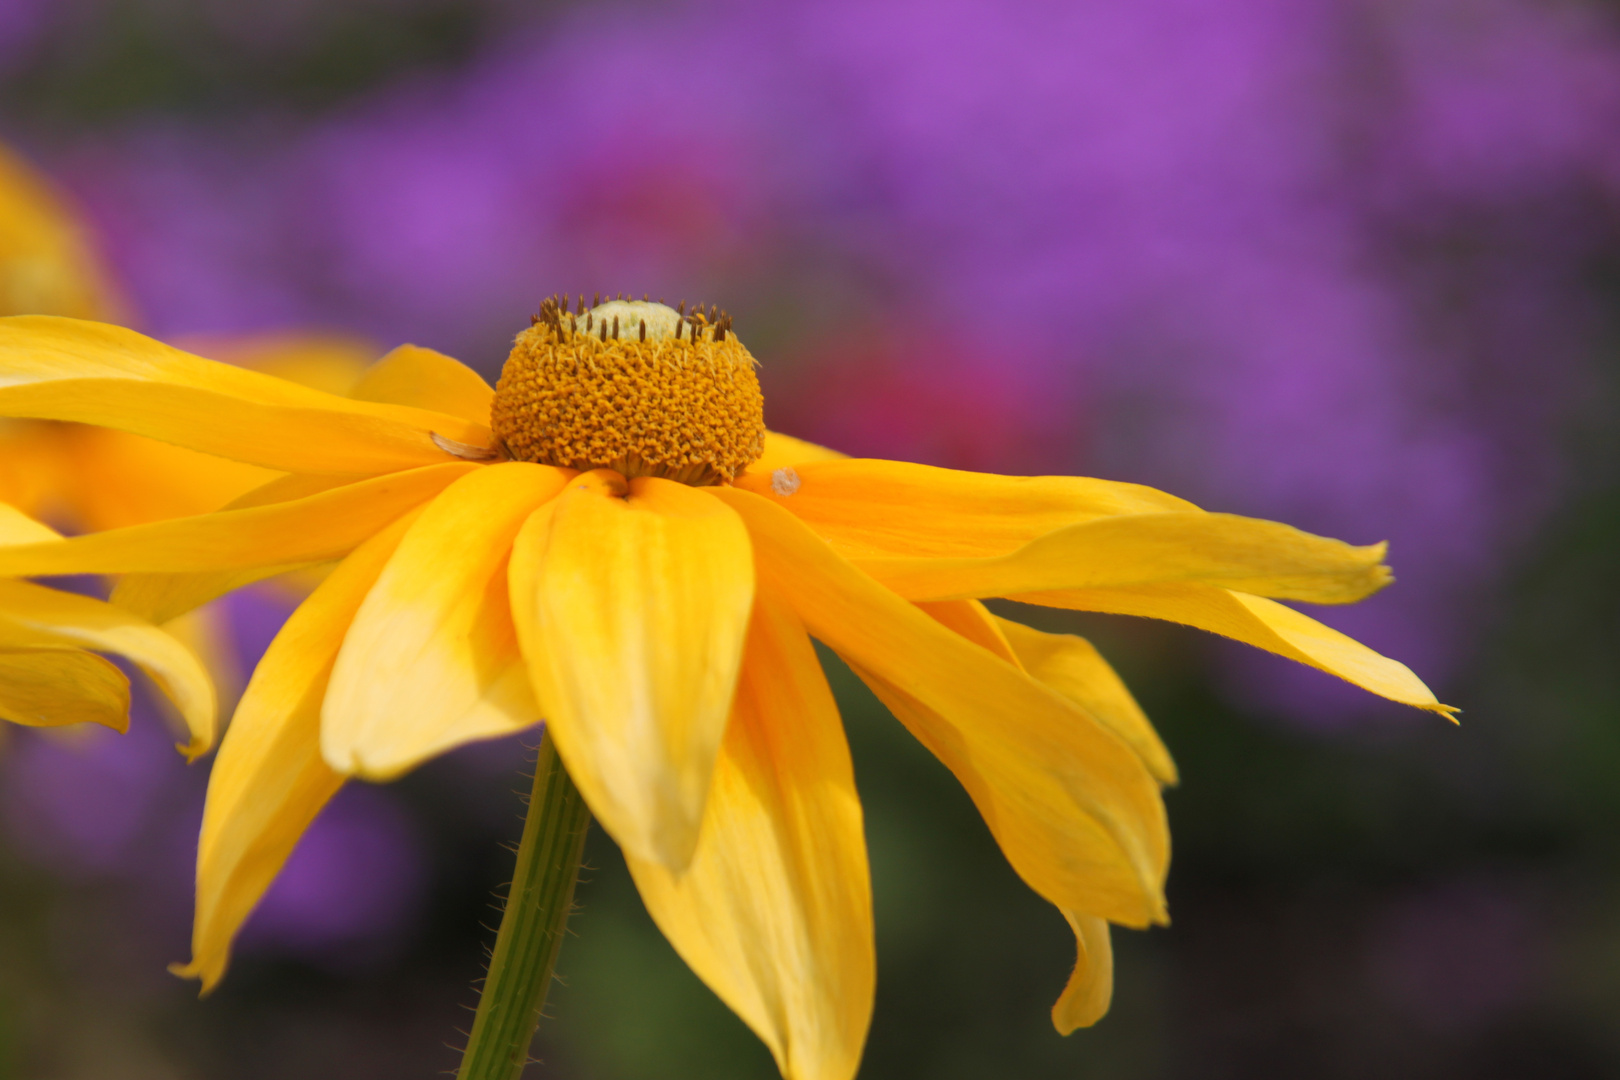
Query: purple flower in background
{"points": [[1318, 262], [352, 889]]}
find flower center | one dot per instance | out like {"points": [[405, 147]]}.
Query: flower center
{"points": [[634, 386]]}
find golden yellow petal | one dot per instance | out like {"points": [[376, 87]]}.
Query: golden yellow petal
{"points": [[632, 603], [162, 597], [432, 659], [1086, 998], [31, 473], [269, 779], [1261, 557], [1075, 811], [424, 379], [17, 527], [31, 615], [288, 487], [1262, 623], [775, 910], [47, 261], [55, 687], [65, 369], [1073, 667], [318, 527], [785, 452], [973, 620], [873, 509], [116, 479]]}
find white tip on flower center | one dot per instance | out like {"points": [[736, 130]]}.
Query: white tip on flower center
{"points": [[785, 482], [660, 319]]}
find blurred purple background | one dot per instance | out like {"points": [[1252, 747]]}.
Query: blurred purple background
{"points": [[1344, 263]]}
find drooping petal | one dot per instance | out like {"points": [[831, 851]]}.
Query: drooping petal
{"points": [[269, 780], [65, 369], [1073, 667], [17, 527], [56, 687], [1262, 623], [324, 526], [632, 603], [1091, 988], [775, 910], [1260, 557], [786, 452], [894, 509], [1073, 808], [973, 620], [432, 659], [32, 616], [424, 379]]}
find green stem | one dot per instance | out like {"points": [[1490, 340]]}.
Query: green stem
{"points": [[531, 926]]}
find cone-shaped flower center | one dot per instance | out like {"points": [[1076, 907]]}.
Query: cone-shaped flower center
{"points": [[633, 386]]}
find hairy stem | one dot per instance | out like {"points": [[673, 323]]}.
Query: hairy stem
{"points": [[531, 926]]}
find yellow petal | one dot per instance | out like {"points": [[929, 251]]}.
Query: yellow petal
{"points": [[289, 487], [269, 780], [775, 910], [432, 660], [973, 620], [1091, 988], [47, 261], [115, 479], [1261, 557], [65, 369], [31, 473], [31, 616], [424, 379], [1073, 667], [632, 603], [54, 687], [1067, 664], [1071, 805], [159, 598], [870, 509], [17, 527], [1262, 623], [317, 527], [162, 598], [784, 452]]}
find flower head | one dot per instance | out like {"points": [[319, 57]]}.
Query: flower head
{"points": [[659, 395], [649, 581]]}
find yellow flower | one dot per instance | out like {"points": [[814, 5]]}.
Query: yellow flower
{"points": [[49, 677], [649, 581]]}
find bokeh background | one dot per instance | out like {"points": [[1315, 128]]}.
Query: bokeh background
{"points": [[1352, 264]]}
